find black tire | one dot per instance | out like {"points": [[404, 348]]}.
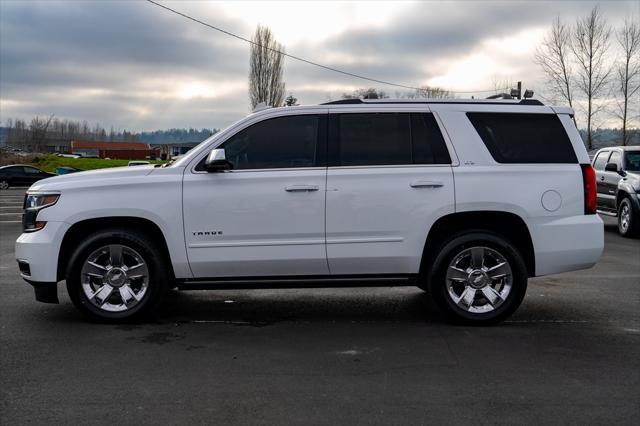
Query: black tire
{"points": [[631, 228], [159, 275], [437, 281], [4, 184]]}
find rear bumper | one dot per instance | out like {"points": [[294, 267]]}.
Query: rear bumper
{"points": [[39, 250], [566, 244]]}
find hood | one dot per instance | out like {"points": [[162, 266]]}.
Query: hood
{"points": [[92, 178]]}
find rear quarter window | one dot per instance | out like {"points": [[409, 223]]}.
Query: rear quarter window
{"points": [[523, 137]]}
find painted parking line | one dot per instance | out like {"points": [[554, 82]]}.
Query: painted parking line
{"points": [[10, 221]]}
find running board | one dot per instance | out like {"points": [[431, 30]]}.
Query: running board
{"points": [[612, 214], [296, 282]]}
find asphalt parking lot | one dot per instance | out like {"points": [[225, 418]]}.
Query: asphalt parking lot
{"points": [[570, 354]]}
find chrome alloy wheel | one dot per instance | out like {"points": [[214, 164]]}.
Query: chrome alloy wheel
{"points": [[115, 278], [479, 279], [625, 217]]}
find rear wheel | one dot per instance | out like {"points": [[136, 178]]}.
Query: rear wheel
{"points": [[478, 278], [627, 219], [117, 275]]}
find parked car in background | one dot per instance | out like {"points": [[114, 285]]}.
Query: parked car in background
{"points": [[69, 155], [21, 175], [64, 170], [618, 181], [138, 163]]}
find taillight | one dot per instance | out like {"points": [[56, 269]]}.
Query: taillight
{"points": [[589, 182]]}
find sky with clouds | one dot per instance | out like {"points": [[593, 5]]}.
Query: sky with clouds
{"points": [[135, 66]]}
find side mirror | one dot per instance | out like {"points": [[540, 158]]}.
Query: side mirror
{"points": [[217, 162], [611, 167]]}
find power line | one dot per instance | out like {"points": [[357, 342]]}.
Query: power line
{"points": [[297, 58]]}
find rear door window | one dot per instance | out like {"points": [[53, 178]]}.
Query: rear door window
{"points": [[387, 139], [524, 137]]}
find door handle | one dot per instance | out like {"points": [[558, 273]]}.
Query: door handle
{"points": [[426, 184], [301, 188], [601, 177]]}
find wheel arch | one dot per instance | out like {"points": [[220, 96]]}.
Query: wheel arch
{"points": [[624, 193], [508, 225], [80, 229]]}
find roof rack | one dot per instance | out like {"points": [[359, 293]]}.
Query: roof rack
{"points": [[435, 101]]}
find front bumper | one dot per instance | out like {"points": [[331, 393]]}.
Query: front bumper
{"points": [[566, 244], [39, 250]]}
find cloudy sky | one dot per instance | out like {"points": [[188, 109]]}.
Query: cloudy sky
{"points": [[135, 66]]}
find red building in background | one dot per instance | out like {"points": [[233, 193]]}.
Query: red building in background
{"points": [[115, 150]]}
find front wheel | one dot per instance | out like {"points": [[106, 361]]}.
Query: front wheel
{"points": [[478, 278], [117, 275], [4, 184], [627, 219]]}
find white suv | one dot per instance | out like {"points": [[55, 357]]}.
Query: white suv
{"points": [[464, 199]]}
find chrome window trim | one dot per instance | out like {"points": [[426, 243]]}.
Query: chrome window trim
{"points": [[346, 110], [197, 172], [389, 166], [425, 110]]}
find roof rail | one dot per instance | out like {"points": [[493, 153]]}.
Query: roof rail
{"points": [[500, 96], [344, 102], [435, 101]]}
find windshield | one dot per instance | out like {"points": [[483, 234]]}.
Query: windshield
{"points": [[632, 161]]}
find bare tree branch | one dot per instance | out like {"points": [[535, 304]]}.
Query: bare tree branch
{"points": [[266, 69], [590, 43], [553, 57], [431, 92], [369, 93], [501, 84], [628, 71]]}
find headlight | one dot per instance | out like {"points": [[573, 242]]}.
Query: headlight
{"points": [[33, 203]]}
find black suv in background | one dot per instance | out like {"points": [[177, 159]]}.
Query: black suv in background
{"points": [[21, 175], [618, 182]]}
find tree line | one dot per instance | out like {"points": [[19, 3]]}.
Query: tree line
{"points": [[40, 131], [581, 69]]}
